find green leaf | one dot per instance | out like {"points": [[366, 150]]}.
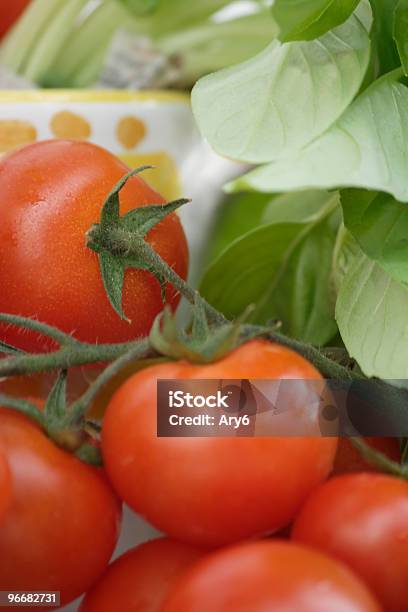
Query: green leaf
{"points": [[304, 207], [309, 19], [284, 270], [401, 32], [380, 225], [345, 251], [113, 275], [278, 101], [367, 147], [237, 215], [383, 40], [372, 315]]}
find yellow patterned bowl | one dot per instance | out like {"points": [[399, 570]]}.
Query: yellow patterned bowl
{"points": [[126, 123]]}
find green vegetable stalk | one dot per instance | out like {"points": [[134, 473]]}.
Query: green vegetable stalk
{"points": [[57, 44]]}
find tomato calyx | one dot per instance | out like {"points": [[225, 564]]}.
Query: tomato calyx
{"points": [[120, 242], [204, 343]]}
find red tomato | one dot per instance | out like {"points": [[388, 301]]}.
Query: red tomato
{"points": [[362, 519], [52, 193], [271, 576], [141, 578], [349, 459], [211, 491], [5, 486], [61, 526], [10, 11]]}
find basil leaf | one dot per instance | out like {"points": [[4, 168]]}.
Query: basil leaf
{"points": [[379, 223], [366, 147], [383, 39], [309, 19], [283, 268], [400, 32], [372, 315], [275, 103]]}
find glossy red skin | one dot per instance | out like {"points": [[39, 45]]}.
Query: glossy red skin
{"points": [[5, 486], [349, 459], [211, 491], [52, 193], [10, 11], [62, 524], [362, 519], [269, 576], [141, 578]]}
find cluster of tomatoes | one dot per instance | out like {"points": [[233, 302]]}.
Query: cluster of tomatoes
{"points": [[225, 504]]}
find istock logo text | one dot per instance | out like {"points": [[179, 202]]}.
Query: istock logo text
{"points": [[180, 399]]}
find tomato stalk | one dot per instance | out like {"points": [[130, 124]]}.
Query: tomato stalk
{"points": [[140, 350], [380, 460]]}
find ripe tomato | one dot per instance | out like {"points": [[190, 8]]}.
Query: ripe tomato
{"points": [[61, 526], [10, 11], [362, 519], [269, 575], [52, 193], [211, 491], [349, 459], [141, 578], [5, 486]]}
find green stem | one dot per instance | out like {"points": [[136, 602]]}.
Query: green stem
{"points": [[62, 359], [139, 350], [170, 16], [42, 328], [84, 52], [26, 408], [52, 40], [326, 366], [158, 264], [380, 460], [211, 46]]}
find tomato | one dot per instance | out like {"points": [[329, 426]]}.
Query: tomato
{"points": [[349, 459], [10, 11], [269, 575], [211, 491], [5, 486], [61, 526], [35, 386], [52, 193], [141, 578], [362, 519]]}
